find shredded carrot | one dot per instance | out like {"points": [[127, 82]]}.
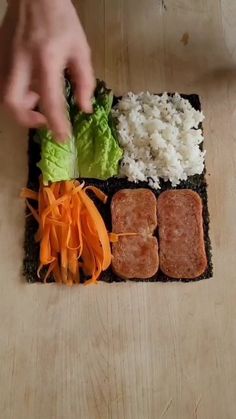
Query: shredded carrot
{"points": [[100, 228], [32, 210], [99, 194], [114, 237], [50, 269], [30, 194], [71, 232]]}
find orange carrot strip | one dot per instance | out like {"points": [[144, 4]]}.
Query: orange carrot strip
{"points": [[95, 276], [52, 199], [41, 206], [54, 239], [78, 187], [49, 271], [39, 270], [69, 186], [77, 207], [55, 204], [94, 242], [88, 261], [73, 266], [45, 248], [33, 211], [100, 227], [114, 237], [57, 273], [63, 254], [29, 194], [55, 222], [56, 189], [90, 227], [99, 194]]}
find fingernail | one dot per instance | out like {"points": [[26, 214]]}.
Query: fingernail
{"points": [[62, 137], [88, 108]]}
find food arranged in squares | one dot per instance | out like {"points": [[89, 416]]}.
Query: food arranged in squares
{"points": [[125, 198]]}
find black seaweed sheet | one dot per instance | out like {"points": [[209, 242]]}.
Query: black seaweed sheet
{"points": [[197, 183]]}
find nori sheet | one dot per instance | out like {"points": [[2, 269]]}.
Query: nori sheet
{"points": [[197, 183]]}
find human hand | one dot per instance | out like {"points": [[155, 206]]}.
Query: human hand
{"points": [[38, 40]]}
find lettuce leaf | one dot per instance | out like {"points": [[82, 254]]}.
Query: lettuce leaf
{"points": [[93, 150], [98, 151], [58, 161]]}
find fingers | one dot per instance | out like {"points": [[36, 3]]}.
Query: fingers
{"points": [[27, 118], [82, 74], [52, 99], [21, 100], [31, 100], [16, 96]]}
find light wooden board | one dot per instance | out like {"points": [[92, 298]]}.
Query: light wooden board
{"points": [[131, 351]]}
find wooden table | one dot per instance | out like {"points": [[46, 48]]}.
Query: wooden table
{"points": [[131, 351]]}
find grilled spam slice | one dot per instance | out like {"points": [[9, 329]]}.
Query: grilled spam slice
{"points": [[135, 211], [181, 236]]}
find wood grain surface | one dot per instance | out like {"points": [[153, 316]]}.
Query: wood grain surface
{"points": [[131, 351]]}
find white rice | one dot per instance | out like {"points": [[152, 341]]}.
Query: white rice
{"points": [[160, 137]]}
